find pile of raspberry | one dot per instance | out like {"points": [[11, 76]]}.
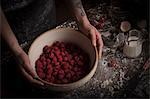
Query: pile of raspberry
{"points": [[62, 63]]}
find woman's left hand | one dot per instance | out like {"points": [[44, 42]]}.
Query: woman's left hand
{"points": [[94, 35]]}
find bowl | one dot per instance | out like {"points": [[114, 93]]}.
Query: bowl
{"points": [[65, 35]]}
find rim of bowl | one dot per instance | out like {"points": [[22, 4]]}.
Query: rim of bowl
{"points": [[93, 65]]}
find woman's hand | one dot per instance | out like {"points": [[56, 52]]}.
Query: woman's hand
{"points": [[24, 63], [84, 24], [21, 57], [93, 33]]}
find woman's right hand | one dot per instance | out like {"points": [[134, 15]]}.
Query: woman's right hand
{"points": [[24, 63]]}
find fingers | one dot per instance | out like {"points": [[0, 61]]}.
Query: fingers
{"points": [[97, 40], [93, 36], [100, 52], [24, 61], [93, 33], [30, 70], [31, 74], [100, 43], [31, 79], [27, 70]]}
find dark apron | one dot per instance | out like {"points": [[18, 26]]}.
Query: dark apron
{"points": [[29, 18]]}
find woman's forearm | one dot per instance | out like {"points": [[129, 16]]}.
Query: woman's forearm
{"points": [[9, 36], [78, 11]]}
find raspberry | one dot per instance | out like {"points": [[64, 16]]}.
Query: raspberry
{"points": [[65, 65], [62, 53], [52, 79], [54, 60], [61, 76], [81, 57], [65, 59], [52, 55], [76, 58], [46, 56], [60, 58], [56, 43], [48, 61], [58, 81], [48, 76], [69, 57], [68, 75], [57, 63], [80, 63], [75, 54], [66, 70], [63, 49], [113, 63], [57, 67], [79, 73], [39, 63], [42, 58], [54, 73], [66, 53], [39, 70], [62, 45], [40, 66], [75, 69], [79, 69], [74, 78], [57, 53], [47, 51], [45, 48], [65, 80], [56, 48], [72, 62], [61, 71], [44, 63], [72, 73], [70, 67], [49, 68]]}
